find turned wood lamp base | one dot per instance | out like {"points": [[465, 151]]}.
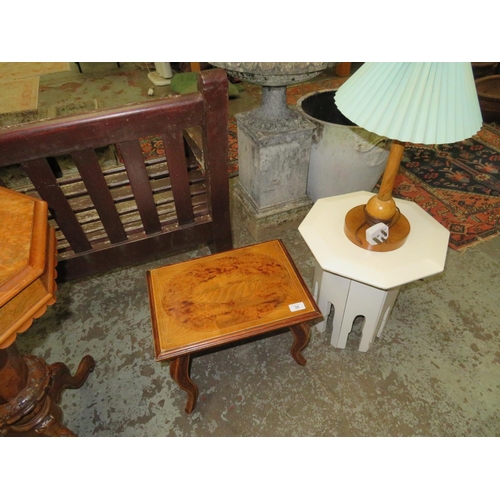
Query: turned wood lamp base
{"points": [[355, 229], [380, 208]]}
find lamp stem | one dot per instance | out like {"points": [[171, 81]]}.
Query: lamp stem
{"points": [[381, 207], [391, 170]]}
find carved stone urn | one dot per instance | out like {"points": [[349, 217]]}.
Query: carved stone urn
{"points": [[274, 146]]}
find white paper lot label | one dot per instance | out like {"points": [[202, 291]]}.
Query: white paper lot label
{"points": [[299, 306]]}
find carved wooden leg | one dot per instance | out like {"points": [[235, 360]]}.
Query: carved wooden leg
{"points": [[179, 371], [300, 340], [32, 412], [30, 391], [45, 420], [62, 378], [13, 373]]}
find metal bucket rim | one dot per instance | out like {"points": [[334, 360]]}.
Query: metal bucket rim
{"points": [[309, 117]]}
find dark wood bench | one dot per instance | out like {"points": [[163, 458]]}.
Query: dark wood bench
{"points": [[134, 210]]}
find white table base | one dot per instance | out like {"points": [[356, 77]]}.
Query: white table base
{"points": [[351, 299]]}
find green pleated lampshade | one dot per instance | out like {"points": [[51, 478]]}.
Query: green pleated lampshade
{"points": [[421, 103]]}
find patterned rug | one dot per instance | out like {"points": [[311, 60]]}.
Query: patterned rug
{"points": [[19, 84], [19, 70], [19, 95], [458, 184]]}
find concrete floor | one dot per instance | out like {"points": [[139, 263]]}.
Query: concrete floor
{"points": [[434, 372]]}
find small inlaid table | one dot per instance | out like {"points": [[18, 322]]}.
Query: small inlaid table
{"points": [[30, 389], [223, 298]]}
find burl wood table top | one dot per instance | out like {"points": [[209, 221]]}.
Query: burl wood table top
{"points": [[27, 263], [226, 297], [23, 241]]}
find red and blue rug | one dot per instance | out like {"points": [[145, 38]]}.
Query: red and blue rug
{"points": [[458, 184]]}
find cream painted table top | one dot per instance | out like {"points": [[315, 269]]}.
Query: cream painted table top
{"points": [[422, 255]]}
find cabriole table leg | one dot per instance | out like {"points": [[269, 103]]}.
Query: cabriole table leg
{"points": [[301, 334], [179, 371]]}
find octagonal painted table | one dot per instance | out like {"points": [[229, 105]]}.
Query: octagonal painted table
{"points": [[359, 282]]}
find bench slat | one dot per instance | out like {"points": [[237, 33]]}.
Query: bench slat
{"points": [[179, 176], [138, 176], [45, 182], [88, 165]]}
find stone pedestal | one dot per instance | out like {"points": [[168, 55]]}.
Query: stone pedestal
{"points": [[273, 167], [274, 147]]}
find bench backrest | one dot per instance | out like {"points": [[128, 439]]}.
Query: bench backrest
{"points": [[135, 209]]}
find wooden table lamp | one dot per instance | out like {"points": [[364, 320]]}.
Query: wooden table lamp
{"points": [[420, 103]]}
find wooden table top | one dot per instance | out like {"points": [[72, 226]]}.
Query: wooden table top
{"points": [[27, 263], [23, 241], [225, 297]]}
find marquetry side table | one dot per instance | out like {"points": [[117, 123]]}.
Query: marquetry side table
{"points": [[30, 389], [225, 297]]}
